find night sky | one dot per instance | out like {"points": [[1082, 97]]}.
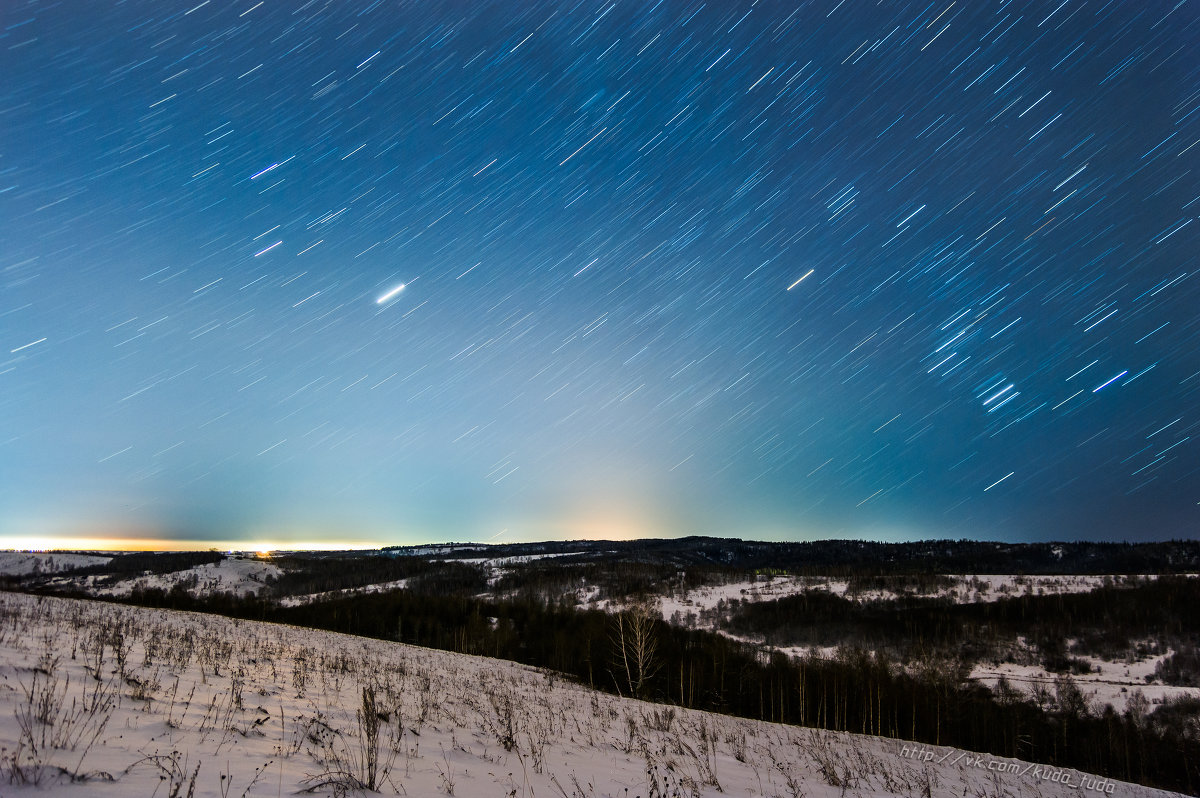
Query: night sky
{"points": [[288, 273]]}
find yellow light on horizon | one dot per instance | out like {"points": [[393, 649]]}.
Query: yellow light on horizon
{"points": [[117, 544]]}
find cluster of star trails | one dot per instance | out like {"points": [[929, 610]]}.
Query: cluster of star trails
{"points": [[913, 270]]}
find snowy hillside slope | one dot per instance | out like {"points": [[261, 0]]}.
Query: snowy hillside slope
{"points": [[103, 700], [1113, 681], [23, 563], [236, 575]]}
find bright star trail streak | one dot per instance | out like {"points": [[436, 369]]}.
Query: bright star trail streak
{"points": [[390, 294], [1109, 382], [997, 482], [802, 279], [601, 201], [26, 346]]}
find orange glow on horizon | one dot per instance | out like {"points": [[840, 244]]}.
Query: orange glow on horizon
{"points": [[265, 548]]}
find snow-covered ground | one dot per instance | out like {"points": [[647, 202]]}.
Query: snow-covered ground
{"points": [[103, 700], [1112, 682], [965, 588], [244, 574], [23, 563], [309, 598], [230, 575], [516, 559], [1109, 683]]}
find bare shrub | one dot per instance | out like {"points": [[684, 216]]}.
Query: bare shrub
{"points": [[174, 773], [352, 762], [227, 779], [50, 725], [503, 723], [446, 772], [662, 781]]}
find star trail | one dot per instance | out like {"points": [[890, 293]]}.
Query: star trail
{"points": [[285, 273]]}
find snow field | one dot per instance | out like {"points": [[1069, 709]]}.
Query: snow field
{"points": [[24, 563], [967, 588], [105, 700], [1110, 682], [231, 575]]}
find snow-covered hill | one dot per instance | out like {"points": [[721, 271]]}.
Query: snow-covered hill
{"points": [[1112, 681], [24, 563], [238, 575], [102, 700]]}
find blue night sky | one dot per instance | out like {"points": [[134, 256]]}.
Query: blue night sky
{"points": [[836, 269]]}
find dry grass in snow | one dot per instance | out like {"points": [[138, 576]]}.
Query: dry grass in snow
{"points": [[103, 700]]}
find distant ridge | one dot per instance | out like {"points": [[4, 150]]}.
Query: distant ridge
{"points": [[832, 556]]}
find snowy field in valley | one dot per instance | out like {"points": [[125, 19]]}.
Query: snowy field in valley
{"points": [[963, 589], [309, 598], [1109, 683], [103, 700]]}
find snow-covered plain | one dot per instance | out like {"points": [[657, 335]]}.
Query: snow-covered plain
{"points": [[1109, 682], [964, 589], [309, 598], [104, 700]]}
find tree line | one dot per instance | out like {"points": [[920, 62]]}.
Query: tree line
{"points": [[1103, 621]]}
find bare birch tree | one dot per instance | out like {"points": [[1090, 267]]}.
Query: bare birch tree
{"points": [[636, 645]]}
